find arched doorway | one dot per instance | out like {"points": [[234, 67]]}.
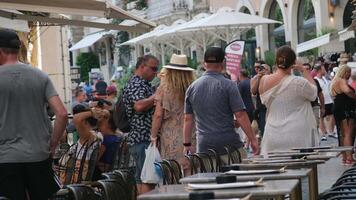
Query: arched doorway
{"points": [[306, 21], [276, 32], [350, 44]]}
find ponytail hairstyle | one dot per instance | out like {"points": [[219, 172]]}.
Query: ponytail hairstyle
{"points": [[285, 57]]}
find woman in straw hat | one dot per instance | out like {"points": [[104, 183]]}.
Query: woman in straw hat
{"points": [[344, 109], [169, 101]]}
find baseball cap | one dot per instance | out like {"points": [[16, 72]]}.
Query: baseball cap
{"points": [[111, 89], [214, 55], [9, 39], [100, 88]]}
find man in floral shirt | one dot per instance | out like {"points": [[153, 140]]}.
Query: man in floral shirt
{"points": [[138, 98]]}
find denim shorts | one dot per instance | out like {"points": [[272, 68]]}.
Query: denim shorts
{"points": [[138, 153]]}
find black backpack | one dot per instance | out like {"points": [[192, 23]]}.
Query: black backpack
{"points": [[120, 118]]}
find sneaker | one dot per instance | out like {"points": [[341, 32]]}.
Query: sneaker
{"points": [[323, 138], [333, 135]]}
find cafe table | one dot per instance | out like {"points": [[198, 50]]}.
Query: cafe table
{"points": [[287, 158], [311, 164], [301, 174], [270, 189]]}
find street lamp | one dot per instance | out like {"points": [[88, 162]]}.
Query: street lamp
{"points": [[258, 53]]}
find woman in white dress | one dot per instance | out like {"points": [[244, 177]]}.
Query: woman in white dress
{"points": [[290, 120]]}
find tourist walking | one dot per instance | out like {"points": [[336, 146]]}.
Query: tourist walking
{"points": [[344, 109], [27, 139], [318, 108], [138, 98], [261, 70], [79, 97], [290, 119], [168, 116], [212, 101], [245, 91], [327, 121]]}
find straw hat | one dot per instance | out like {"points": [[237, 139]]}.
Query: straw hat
{"points": [[178, 62]]}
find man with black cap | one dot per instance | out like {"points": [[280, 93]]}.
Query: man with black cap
{"points": [[213, 101], [26, 136]]}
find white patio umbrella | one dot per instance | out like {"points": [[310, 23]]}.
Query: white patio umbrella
{"points": [[140, 38], [226, 17], [158, 34], [172, 38], [227, 23]]}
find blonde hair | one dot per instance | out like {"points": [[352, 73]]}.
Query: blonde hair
{"points": [[342, 71], [340, 74], [177, 81]]}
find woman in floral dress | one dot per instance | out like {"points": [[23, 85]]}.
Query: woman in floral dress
{"points": [[168, 117]]}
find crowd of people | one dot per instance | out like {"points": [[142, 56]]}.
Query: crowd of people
{"points": [[182, 116]]}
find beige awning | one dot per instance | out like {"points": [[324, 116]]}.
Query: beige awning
{"points": [[17, 25], [94, 8]]}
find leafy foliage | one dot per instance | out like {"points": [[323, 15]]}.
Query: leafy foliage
{"points": [[87, 61], [192, 62], [326, 30], [128, 72], [270, 57]]}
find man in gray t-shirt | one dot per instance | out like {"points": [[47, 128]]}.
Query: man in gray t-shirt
{"points": [[26, 136], [213, 101]]}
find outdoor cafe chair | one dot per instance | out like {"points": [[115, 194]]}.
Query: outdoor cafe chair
{"points": [[345, 180], [112, 175], [216, 159], [337, 195], [193, 163], [205, 161], [176, 170], [167, 172], [113, 190], [346, 190], [126, 176], [81, 192], [234, 155]]}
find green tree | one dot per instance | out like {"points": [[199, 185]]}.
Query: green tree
{"points": [[270, 58], [87, 61], [128, 72]]}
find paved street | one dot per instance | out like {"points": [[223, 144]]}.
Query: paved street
{"points": [[329, 172]]}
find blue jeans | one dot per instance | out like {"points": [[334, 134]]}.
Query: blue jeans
{"points": [[138, 153]]}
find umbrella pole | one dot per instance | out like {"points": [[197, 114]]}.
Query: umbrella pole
{"points": [[204, 43], [228, 39], [162, 54], [181, 46]]}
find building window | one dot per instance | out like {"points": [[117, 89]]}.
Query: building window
{"points": [[306, 21], [276, 32]]}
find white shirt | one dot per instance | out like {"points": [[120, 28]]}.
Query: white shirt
{"points": [[325, 86]]}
